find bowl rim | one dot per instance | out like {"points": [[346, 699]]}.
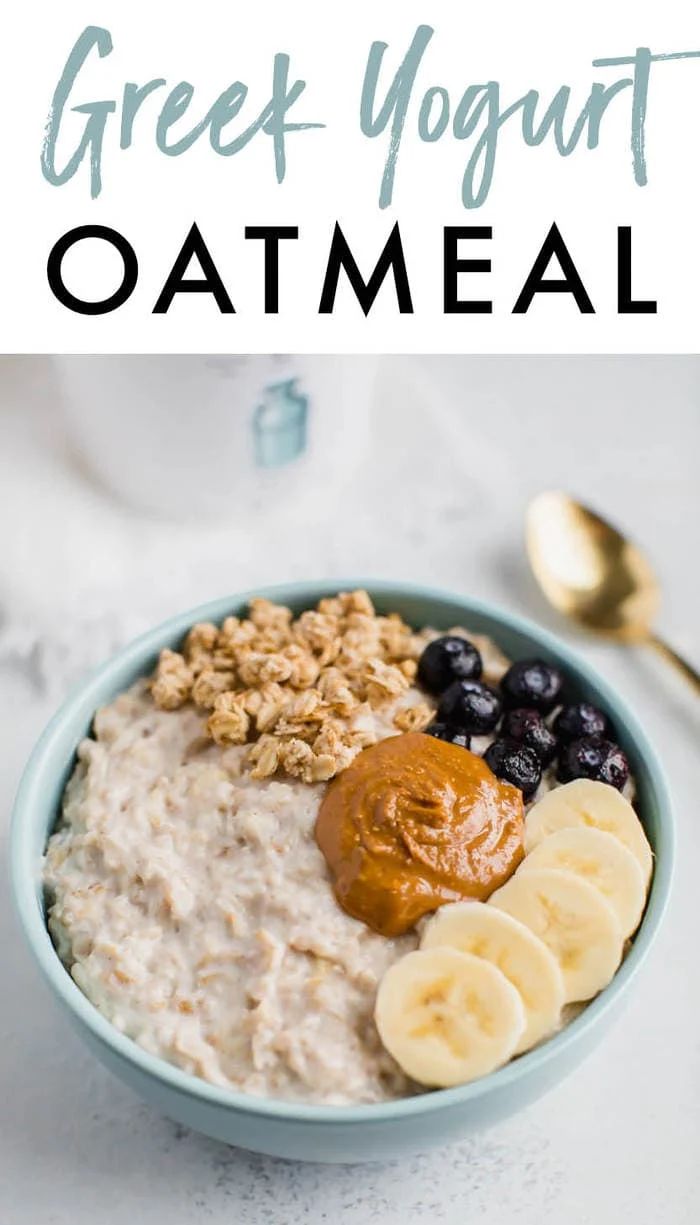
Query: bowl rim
{"points": [[25, 881]]}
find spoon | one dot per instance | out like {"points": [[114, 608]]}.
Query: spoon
{"points": [[592, 573]]}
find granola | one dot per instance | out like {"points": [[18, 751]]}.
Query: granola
{"points": [[297, 690]]}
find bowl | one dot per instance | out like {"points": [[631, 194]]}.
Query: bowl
{"points": [[312, 1132]]}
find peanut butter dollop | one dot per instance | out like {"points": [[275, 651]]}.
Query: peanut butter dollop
{"points": [[415, 822]]}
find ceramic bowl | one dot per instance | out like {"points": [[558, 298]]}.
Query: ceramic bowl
{"points": [[330, 1133]]}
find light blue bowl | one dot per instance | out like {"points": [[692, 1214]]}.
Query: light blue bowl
{"points": [[329, 1133]]}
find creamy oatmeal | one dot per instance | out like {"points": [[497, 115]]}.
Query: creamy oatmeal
{"points": [[193, 907], [186, 890]]}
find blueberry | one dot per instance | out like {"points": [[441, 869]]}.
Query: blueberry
{"points": [[579, 720], [447, 731], [532, 682], [515, 763], [593, 757], [472, 706], [529, 728], [446, 660]]}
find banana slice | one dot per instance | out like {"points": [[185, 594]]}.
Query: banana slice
{"points": [[603, 861], [474, 927], [592, 804], [448, 1017], [574, 921]]}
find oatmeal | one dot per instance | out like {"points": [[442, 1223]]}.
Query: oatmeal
{"points": [[193, 907], [186, 890]]}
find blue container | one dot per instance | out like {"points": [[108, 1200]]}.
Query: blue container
{"points": [[280, 425], [330, 1133]]}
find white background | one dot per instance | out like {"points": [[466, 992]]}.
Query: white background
{"points": [[335, 173], [438, 497]]}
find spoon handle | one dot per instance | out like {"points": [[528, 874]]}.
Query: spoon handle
{"points": [[681, 665]]}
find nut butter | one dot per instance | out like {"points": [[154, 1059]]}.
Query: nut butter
{"points": [[415, 822]]}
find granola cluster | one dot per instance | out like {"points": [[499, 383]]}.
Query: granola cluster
{"points": [[301, 692]]}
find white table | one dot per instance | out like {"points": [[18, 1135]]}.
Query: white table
{"points": [[618, 1142]]}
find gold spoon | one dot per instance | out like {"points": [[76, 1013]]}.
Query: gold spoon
{"points": [[591, 573]]}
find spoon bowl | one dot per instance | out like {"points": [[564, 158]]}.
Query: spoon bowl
{"points": [[592, 573]]}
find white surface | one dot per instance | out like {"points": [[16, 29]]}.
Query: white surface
{"points": [[615, 1144]]}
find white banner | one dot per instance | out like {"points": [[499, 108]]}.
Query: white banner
{"points": [[435, 177]]}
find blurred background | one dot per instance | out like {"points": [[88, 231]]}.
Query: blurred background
{"points": [[133, 487]]}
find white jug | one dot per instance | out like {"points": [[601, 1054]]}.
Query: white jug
{"points": [[224, 435]]}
